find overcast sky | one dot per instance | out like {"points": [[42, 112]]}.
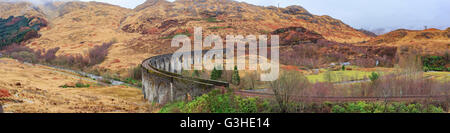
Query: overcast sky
{"points": [[375, 15]]}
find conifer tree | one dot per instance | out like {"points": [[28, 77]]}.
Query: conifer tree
{"points": [[235, 78], [216, 74]]}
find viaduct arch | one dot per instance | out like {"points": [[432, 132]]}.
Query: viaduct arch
{"points": [[162, 83]]}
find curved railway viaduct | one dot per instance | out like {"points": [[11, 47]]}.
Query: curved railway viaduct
{"points": [[163, 83]]}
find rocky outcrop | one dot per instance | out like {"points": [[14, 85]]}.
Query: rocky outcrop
{"points": [[368, 33], [297, 35], [296, 10]]}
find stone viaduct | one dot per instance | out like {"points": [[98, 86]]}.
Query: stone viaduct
{"points": [[162, 83]]}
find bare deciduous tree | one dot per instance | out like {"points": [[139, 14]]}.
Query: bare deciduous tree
{"points": [[251, 79], [288, 85]]}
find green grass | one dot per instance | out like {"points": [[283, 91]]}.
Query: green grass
{"points": [[81, 85], [439, 76], [225, 103], [171, 108], [213, 20], [264, 32], [354, 75], [379, 107], [172, 36], [219, 27], [339, 76], [77, 85], [65, 86], [215, 102], [132, 81]]}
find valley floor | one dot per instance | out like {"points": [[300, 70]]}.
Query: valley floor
{"points": [[36, 89]]}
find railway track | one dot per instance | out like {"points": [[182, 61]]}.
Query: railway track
{"points": [[305, 98]]}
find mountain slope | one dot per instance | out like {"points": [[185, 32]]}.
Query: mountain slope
{"points": [[146, 30], [19, 9], [429, 41], [229, 17], [39, 89]]}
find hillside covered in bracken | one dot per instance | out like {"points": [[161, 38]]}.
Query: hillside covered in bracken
{"points": [[75, 56], [75, 27], [429, 41], [226, 16]]}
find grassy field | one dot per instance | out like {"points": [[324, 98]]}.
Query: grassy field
{"points": [[338, 76], [40, 88], [353, 73], [341, 76], [439, 76]]}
